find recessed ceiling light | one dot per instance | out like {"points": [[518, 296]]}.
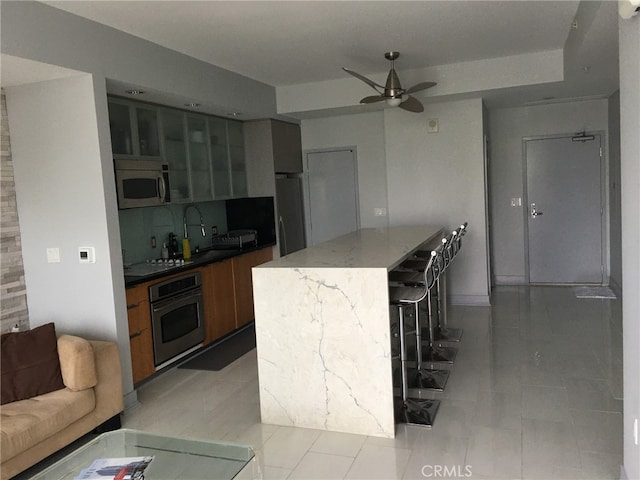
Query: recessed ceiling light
{"points": [[134, 92], [234, 114], [192, 105]]}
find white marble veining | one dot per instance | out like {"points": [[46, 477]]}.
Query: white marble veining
{"points": [[322, 331]]}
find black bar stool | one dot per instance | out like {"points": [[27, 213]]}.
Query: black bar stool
{"points": [[453, 243], [415, 411], [432, 353], [421, 377]]}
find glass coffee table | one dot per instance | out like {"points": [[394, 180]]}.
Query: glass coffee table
{"points": [[174, 458]]}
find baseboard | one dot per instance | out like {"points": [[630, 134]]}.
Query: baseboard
{"points": [[131, 400], [509, 280], [470, 300], [617, 289]]}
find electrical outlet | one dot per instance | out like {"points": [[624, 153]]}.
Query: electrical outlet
{"points": [[153, 242], [214, 230]]}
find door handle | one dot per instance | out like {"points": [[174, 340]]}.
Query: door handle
{"points": [[534, 212]]}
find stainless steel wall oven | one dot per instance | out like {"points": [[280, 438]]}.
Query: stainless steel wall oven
{"points": [[176, 316]]}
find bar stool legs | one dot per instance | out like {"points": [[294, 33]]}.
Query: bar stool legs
{"points": [[425, 378], [435, 353], [414, 411], [445, 333]]}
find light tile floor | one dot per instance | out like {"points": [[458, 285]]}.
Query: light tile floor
{"points": [[535, 393]]}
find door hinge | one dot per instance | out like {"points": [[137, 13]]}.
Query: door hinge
{"points": [[600, 152]]}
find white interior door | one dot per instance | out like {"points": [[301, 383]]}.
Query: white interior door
{"points": [[564, 192], [332, 194]]}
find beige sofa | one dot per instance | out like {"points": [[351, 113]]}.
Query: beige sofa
{"points": [[34, 428]]}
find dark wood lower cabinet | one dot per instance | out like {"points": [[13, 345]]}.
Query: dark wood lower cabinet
{"points": [[227, 293], [219, 305]]}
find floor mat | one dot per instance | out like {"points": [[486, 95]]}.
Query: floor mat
{"points": [[222, 354], [594, 292]]}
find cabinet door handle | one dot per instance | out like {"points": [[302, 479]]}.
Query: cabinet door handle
{"points": [[136, 334], [133, 305]]}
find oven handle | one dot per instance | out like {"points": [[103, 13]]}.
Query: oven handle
{"points": [[194, 293]]}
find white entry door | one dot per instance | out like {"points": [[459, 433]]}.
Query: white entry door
{"points": [[564, 192], [332, 194]]}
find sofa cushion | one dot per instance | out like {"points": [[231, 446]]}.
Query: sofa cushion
{"points": [[77, 363], [25, 423], [30, 364]]}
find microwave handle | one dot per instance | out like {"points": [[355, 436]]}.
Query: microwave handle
{"points": [[162, 188]]}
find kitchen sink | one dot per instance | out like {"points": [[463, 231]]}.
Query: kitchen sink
{"points": [[206, 255]]}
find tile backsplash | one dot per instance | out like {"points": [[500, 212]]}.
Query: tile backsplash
{"points": [[139, 225]]}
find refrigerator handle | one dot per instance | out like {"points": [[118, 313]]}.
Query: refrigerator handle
{"points": [[283, 234]]}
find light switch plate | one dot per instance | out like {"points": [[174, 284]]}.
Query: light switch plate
{"points": [[53, 255]]}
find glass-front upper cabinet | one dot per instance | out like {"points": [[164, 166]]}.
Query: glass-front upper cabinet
{"points": [[220, 157], [199, 159], [175, 153], [148, 138], [237, 158], [134, 129], [120, 125]]}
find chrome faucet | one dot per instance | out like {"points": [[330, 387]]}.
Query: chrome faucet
{"points": [[186, 225]]}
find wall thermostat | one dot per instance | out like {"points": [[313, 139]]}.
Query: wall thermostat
{"points": [[87, 254]]}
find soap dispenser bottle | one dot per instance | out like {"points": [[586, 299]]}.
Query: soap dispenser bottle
{"points": [[165, 252]]}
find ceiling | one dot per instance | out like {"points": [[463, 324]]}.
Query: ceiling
{"points": [[299, 42]]}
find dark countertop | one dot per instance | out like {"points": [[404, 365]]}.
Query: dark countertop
{"points": [[202, 258]]}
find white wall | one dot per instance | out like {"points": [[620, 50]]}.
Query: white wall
{"points": [[507, 127], [629, 40], [366, 133], [420, 178], [438, 178], [39, 32], [66, 199], [615, 203]]}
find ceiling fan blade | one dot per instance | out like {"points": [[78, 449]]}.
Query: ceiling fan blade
{"points": [[421, 86], [411, 104], [371, 83], [373, 99]]}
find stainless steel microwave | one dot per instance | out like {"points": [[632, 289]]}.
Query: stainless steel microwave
{"points": [[141, 183]]}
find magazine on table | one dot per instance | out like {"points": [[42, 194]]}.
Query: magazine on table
{"points": [[124, 468]]}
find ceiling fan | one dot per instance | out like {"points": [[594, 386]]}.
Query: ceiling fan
{"points": [[392, 92]]}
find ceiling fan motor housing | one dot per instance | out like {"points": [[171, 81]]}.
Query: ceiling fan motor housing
{"points": [[393, 88]]}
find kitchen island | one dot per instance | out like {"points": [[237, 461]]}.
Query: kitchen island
{"points": [[322, 328]]}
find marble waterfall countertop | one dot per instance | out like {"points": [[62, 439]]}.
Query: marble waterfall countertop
{"points": [[323, 336], [365, 248]]}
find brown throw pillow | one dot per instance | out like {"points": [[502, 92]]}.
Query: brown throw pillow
{"points": [[30, 364]]}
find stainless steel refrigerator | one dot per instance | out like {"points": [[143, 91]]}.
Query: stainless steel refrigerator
{"points": [[290, 214]]}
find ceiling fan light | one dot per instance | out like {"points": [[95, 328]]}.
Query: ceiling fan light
{"points": [[394, 101]]}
